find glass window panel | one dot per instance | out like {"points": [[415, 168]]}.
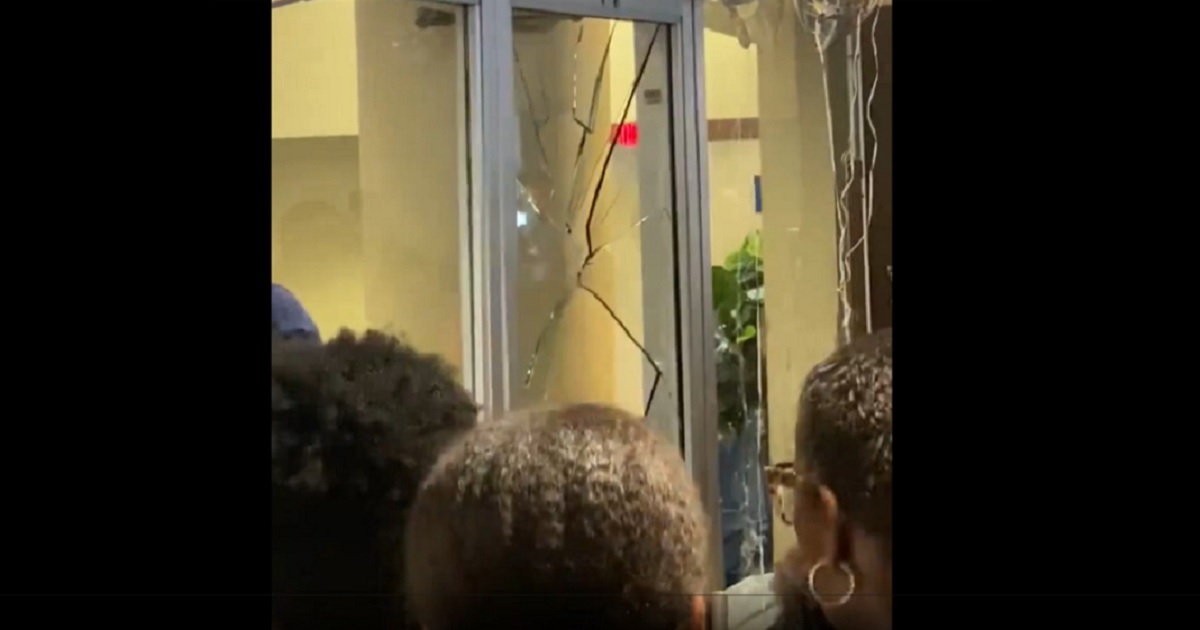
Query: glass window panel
{"points": [[368, 138], [596, 308]]}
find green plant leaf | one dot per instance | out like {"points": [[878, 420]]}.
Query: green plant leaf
{"points": [[738, 300], [747, 315], [726, 294], [752, 246], [749, 255]]}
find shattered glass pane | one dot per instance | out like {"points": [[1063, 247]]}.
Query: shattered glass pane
{"points": [[596, 295]]}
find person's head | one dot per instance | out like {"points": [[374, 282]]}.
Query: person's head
{"points": [[578, 517], [355, 424], [843, 486], [289, 320]]}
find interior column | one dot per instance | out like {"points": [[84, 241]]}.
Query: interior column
{"points": [[410, 88], [799, 231]]}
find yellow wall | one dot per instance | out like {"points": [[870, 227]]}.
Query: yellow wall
{"points": [[732, 165], [412, 119], [316, 234], [622, 67], [731, 85], [730, 74], [314, 78], [367, 125], [730, 77]]}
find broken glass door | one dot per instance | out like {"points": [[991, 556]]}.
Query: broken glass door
{"points": [[596, 311]]}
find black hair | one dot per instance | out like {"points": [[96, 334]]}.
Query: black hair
{"points": [[844, 432], [355, 423], [580, 517]]}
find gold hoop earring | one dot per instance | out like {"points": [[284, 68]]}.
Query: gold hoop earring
{"points": [[841, 599]]}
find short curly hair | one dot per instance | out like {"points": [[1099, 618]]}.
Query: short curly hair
{"points": [[844, 432], [577, 517], [355, 423]]}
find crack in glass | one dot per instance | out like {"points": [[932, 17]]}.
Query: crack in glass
{"points": [[581, 219]]}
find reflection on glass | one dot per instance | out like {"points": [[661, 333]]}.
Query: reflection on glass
{"points": [[596, 295], [368, 117], [790, 178]]}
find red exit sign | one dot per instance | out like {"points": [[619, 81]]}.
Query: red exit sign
{"points": [[625, 134]]}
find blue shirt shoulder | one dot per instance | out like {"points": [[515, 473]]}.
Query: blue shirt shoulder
{"points": [[288, 317]]}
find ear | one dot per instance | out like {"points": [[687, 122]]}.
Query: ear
{"points": [[699, 613], [816, 522]]}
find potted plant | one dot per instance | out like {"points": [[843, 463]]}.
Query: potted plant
{"points": [[738, 305], [738, 302]]}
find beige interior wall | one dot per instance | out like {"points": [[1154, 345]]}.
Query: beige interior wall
{"points": [[730, 77], [732, 165], [409, 94], [366, 129], [316, 248], [731, 91], [627, 281], [314, 84], [316, 237]]}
